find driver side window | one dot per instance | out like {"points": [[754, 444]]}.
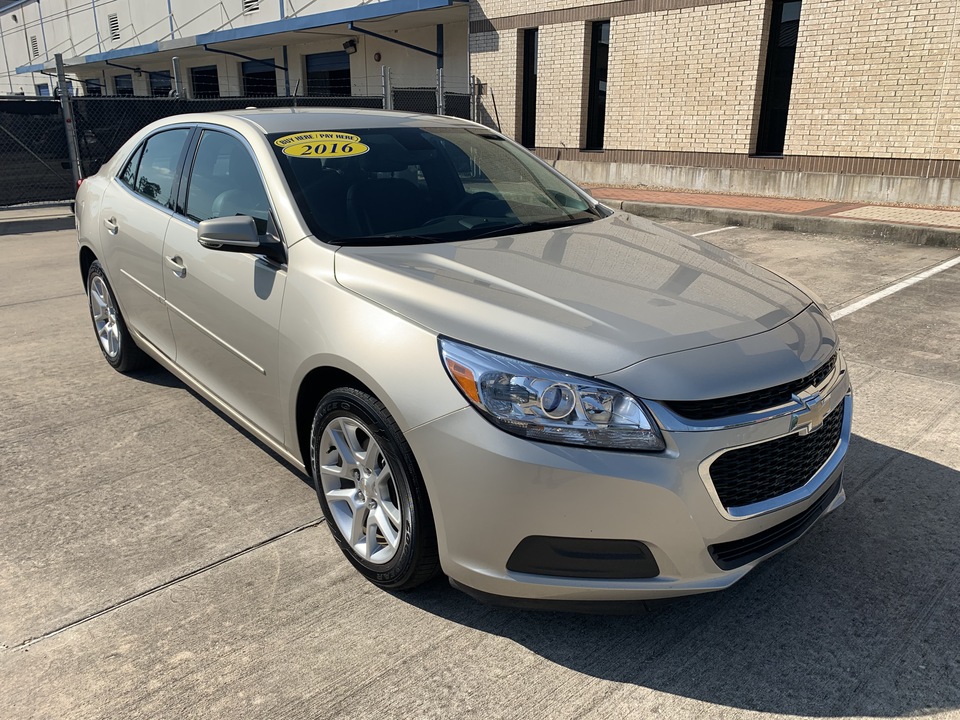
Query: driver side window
{"points": [[224, 181]]}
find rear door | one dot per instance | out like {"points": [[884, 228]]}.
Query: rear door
{"points": [[225, 306], [136, 209]]}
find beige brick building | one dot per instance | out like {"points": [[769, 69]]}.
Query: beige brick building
{"points": [[852, 101]]}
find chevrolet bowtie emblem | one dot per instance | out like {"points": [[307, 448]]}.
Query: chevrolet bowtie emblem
{"points": [[811, 418]]}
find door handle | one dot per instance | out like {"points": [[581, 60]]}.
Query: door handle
{"points": [[176, 264], [111, 225]]}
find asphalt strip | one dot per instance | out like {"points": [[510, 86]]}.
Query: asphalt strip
{"points": [[895, 288]]}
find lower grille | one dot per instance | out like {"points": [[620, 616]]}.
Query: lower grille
{"points": [[731, 555], [761, 472]]}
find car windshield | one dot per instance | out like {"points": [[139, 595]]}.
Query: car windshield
{"points": [[428, 184]]}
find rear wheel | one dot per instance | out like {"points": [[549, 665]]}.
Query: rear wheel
{"points": [[371, 491], [114, 339]]}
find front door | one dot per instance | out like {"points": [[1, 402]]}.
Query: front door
{"points": [[224, 306]]}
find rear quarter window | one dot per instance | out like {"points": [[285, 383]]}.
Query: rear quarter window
{"points": [[156, 174]]}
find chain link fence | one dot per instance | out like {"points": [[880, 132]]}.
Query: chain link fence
{"points": [[458, 105], [33, 152], [33, 140], [104, 124]]}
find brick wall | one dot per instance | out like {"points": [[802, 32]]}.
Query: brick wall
{"points": [[502, 8], [561, 80], [685, 79], [495, 62], [877, 79]]}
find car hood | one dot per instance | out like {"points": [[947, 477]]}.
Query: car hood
{"points": [[590, 299]]}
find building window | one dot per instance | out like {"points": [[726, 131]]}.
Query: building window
{"points": [[34, 46], [43, 90], [328, 74], [778, 77], [92, 88], [160, 83], [206, 81], [259, 78], [597, 85], [114, 22], [123, 84], [251, 6], [528, 97]]}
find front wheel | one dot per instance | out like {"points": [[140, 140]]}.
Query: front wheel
{"points": [[371, 491], [114, 338]]}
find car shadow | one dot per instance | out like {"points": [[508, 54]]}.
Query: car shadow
{"points": [[156, 375], [858, 618]]}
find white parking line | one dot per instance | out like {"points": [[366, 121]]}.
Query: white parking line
{"points": [[897, 287], [710, 232]]}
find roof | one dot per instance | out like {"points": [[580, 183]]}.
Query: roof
{"points": [[278, 120]]}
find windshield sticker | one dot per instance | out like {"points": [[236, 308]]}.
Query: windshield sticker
{"points": [[321, 145]]}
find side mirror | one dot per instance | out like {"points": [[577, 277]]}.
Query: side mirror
{"points": [[238, 233]]}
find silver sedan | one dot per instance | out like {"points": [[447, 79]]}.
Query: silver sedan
{"points": [[487, 373]]}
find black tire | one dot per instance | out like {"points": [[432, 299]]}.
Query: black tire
{"points": [[126, 356], [415, 559]]}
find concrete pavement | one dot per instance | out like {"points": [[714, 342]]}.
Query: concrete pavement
{"points": [[155, 562]]}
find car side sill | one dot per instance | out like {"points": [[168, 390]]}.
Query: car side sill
{"points": [[216, 401]]}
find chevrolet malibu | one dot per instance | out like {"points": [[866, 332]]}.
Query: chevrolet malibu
{"points": [[487, 373]]}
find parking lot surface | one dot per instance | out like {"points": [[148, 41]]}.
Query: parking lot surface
{"points": [[156, 562]]}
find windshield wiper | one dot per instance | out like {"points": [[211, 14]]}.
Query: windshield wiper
{"points": [[517, 228]]}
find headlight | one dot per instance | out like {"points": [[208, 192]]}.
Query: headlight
{"points": [[543, 404]]}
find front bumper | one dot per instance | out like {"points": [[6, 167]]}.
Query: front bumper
{"points": [[491, 490]]}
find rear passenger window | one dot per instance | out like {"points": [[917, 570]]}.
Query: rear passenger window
{"points": [[158, 165], [224, 182]]}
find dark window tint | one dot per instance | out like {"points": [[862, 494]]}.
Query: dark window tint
{"points": [[93, 88], [597, 88], [328, 74], [129, 174], [224, 181], [158, 166], [447, 183], [528, 121], [259, 79], [206, 81], [160, 83], [778, 77], [124, 85]]}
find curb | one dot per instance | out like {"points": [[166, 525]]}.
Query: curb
{"points": [[27, 226], [891, 232]]}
